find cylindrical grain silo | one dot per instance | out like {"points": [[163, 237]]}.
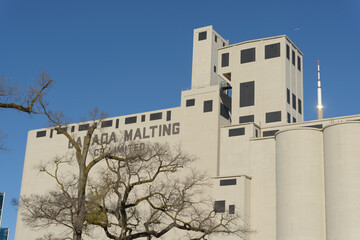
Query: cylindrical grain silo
{"points": [[342, 180], [300, 210]]}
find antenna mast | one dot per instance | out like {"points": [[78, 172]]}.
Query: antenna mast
{"points": [[319, 107]]}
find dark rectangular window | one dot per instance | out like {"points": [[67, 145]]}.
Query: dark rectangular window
{"points": [[215, 38], [208, 106], [63, 128], [294, 101], [107, 123], [117, 123], [273, 117], [293, 58], [228, 182], [190, 102], [130, 120], [41, 134], [142, 118], [202, 36], [231, 209], [223, 44], [236, 132], [155, 116], [168, 115], [272, 50], [256, 133], [84, 127], [72, 128], [247, 94], [51, 135], [248, 55], [288, 95], [215, 69], [288, 118], [246, 119], [225, 60], [270, 133], [287, 52], [294, 120], [299, 63], [299, 106], [219, 206]]}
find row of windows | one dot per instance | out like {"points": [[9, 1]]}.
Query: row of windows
{"points": [[293, 56], [208, 105], [219, 207], [271, 51], [289, 118], [299, 103], [109, 123], [203, 36]]}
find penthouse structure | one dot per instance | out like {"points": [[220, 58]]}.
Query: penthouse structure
{"points": [[243, 118]]}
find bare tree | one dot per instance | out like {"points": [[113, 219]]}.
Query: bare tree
{"points": [[26, 102], [142, 192]]}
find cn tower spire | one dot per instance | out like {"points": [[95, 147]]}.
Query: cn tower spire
{"points": [[319, 107]]}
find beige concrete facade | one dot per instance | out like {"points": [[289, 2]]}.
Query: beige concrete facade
{"points": [[243, 119]]}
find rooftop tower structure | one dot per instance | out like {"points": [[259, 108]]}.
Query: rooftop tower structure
{"points": [[319, 107]]}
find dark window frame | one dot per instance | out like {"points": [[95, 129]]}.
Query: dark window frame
{"points": [[271, 117], [247, 94], [155, 116], [225, 59], [219, 206], [190, 102], [208, 106], [294, 101], [202, 35], [247, 55], [272, 50], [130, 120], [287, 51]]}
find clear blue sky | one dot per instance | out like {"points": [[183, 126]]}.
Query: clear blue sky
{"points": [[133, 56]]}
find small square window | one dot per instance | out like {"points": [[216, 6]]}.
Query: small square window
{"points": [[208, 105], [225, 60], [202, 36], [143, 118], [41, 133], [247, 55], [190, 102], [72, 128], [231, 209], [219, 206], [272, 50], [223, 44], [294, 120]]}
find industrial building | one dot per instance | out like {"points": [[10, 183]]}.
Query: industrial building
{"points": [[243, 118]]}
